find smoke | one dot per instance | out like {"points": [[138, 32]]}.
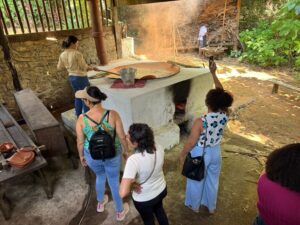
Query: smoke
{"points": [[163, 28]]}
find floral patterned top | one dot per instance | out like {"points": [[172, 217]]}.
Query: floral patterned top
{"points": [[215, 123]]}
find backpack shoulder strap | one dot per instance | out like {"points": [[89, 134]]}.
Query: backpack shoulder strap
{"points": [[114, 134], [102, 119], [85, 122]]}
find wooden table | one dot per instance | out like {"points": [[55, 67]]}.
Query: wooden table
{"points": [[10, 131], [44, 127]]}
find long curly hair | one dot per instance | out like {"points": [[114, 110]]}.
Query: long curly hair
{"points": [[142, 134], [283, 166]]}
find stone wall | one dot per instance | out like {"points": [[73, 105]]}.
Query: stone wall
{"points": [[35, 59]]}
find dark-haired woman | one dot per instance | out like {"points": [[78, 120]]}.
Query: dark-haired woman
{"points": [[279, 188], [205, 136], [104, 169], [143, 174], [73, 61]]}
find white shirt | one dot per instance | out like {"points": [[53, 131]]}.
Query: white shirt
{"points": [[202, 32], [139, 167]]}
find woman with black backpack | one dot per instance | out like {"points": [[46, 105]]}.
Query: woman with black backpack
{"points": [[100, 135]]}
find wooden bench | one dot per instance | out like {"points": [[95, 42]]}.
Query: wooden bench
{"points": [[44, 127], [10, 131], [277, 83]]}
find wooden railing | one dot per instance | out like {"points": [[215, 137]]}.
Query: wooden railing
{"points": [[33, 16]]}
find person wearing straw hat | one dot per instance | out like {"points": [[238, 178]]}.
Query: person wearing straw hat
{"points": [[104, 169], [73, 61]]}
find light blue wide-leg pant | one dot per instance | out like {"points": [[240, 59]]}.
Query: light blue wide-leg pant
{"points": [[205, 192]]}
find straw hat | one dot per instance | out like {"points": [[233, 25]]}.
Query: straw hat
{"points": [[84, 95]]}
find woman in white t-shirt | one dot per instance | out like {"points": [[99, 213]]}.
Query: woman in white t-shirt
{"points": [[143, 174]]}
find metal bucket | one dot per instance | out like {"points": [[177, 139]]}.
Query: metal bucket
{"points": [[127, 76]]}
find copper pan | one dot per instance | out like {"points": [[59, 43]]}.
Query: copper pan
{"points": [[6, 147], [21, 158]]}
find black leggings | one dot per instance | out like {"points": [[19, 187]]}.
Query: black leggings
{"points": [[149, 208]]}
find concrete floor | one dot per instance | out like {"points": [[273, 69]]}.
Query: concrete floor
{"points": [[29, 201]]}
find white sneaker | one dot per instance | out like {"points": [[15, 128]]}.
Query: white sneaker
{"points": [[121, 215], [100, 205]]}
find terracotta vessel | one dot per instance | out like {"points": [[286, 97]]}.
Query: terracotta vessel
{"points": [[21, 158], [6, 147]]}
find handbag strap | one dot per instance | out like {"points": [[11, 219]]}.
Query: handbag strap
{"points": [[205, 140], [152, 169]]}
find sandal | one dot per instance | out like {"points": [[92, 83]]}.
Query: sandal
{"points": [[100, 205], [121, 215]]}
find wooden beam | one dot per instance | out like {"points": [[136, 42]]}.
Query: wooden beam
{"points": [[8, 59], [117, 29], [10, 16], [58, 13], [238, 7], [46, 15], [26, 17], [223, 26], [40, 14], [33, 18], [18, 16]]}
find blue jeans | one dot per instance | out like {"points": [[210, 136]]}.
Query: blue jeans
{"points": [[110, 169], [79, 83], [258, 221]]}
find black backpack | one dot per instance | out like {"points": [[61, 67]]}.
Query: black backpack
{"points": [[102, 144]]}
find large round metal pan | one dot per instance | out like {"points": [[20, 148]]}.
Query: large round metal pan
{"points": [[151, 70]]}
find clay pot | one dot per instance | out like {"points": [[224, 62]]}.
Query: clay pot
{"points": [[6, 147], [21, 158]]}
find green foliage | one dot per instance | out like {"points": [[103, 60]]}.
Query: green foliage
{"points": [[45, 12], [252, 11], [276, 42]]}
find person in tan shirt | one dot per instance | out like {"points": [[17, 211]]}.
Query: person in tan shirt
{"points": [[72, 60]]}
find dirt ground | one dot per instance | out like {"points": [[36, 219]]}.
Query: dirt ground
{"points": [[260, 122], [264, 122]]}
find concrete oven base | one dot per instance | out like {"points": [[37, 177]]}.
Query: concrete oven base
{"points": [[154, 104], [167, 136]]}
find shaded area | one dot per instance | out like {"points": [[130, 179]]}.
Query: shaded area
{"points": [[256, 130]]}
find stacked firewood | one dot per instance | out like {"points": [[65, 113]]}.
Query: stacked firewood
{"points": [[222, 29]]}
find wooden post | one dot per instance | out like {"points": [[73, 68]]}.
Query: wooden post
{"points": [[223, 30], [117, 29], [275, 88], [8, 60], [97, 31], [238, 7]]}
